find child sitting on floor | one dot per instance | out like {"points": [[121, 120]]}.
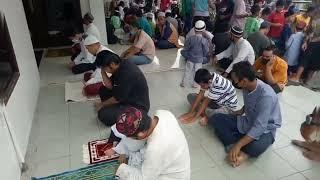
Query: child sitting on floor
{"points": [[195, 51], [127, 147]]}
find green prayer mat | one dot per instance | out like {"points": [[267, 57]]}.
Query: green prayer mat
{"points": [[101, 171]]}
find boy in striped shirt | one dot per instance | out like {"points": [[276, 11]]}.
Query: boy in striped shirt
{"points": [[221, 96]]}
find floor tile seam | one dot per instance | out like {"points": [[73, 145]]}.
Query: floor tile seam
{"points": [[291, 175], [49, 159], [289, 163]]}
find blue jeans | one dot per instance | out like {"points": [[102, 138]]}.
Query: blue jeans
{"points": [[139, 60], [164, 44], [225, 126]]}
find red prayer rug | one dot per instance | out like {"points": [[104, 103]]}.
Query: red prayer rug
{"points": [[93, 152]]}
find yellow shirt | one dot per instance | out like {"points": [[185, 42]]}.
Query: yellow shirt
{"points": [[300, 18], [279, 69]]}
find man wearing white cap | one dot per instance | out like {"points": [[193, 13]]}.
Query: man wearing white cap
{"points": [[93, 80], [239, 50], [196, 51]]}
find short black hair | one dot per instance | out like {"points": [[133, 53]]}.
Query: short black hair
{"points": [[168, 14], [138, 12], [270, 48], [105, 58], [202, 76], [121, 3], [145, 123], [266, 11], [255, 10], [280, 3], [244, 70]]}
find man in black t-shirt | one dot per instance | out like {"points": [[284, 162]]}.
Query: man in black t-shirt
{"points": [[127, 86]]}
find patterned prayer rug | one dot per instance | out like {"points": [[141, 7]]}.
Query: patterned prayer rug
{"points": [[101, 171], [93, 152]]}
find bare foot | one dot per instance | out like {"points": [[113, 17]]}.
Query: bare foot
{"points": [[241, 158]]}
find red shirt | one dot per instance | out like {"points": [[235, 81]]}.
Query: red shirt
{"points": [[276, 17]]}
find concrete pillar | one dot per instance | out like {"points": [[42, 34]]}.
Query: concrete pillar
{"points": [[96, 7]]}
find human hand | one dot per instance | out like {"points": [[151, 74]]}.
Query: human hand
{"points": [[109, 152], [311, 149], [234, 153], [304, 46], [122, 159], [225, 74], [71, 64], [278, 25], [98, 105], [270, 63], [204, 121], [215, 60], [186, 116]]}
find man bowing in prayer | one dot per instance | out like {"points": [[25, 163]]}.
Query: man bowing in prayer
{"points": [[166, 154]]}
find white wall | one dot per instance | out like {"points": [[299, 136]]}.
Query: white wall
{"points": [[9, 164], [22, 103]]}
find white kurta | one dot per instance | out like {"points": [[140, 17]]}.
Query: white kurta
{"points": [[166, 155], [91, 29], [239, 51]]}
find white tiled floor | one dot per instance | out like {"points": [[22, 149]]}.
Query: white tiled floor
{"points": [[59, 129]]}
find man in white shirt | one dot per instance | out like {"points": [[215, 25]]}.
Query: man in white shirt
{"points": [[166, 154], [89, 27], [239, 50]]}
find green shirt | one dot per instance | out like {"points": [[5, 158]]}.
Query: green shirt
{"points": [[252, 26], [116, 22]]}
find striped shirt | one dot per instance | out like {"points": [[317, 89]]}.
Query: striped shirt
{"points": [[222, 92]]}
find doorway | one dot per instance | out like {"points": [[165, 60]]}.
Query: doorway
{"points": [[50, 20]]}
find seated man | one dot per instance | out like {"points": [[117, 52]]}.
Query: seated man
{"points": [[142, 51], [221, 96], [166, 35], [272, 69], [239, 50], [85, 60], [166, 154], [127, 86], [251, 134], [259, 40]]}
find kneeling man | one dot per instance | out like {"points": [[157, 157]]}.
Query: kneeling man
{"points": [[166, 154]]}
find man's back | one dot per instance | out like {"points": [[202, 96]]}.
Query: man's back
{"points": [[259, 41], [168, 144], [196, 48], [130, 86]]}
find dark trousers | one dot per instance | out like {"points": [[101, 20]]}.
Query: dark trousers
{"points": [[81, 68], [225, 126], [224, 63], [108, 115]]}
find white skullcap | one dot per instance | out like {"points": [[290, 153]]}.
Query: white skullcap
{"points": [[168, 11], [149, 15], [90, 39], [200, 26], [161, 14]]}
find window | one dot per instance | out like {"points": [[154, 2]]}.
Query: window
{"points": [[9, 72]]}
